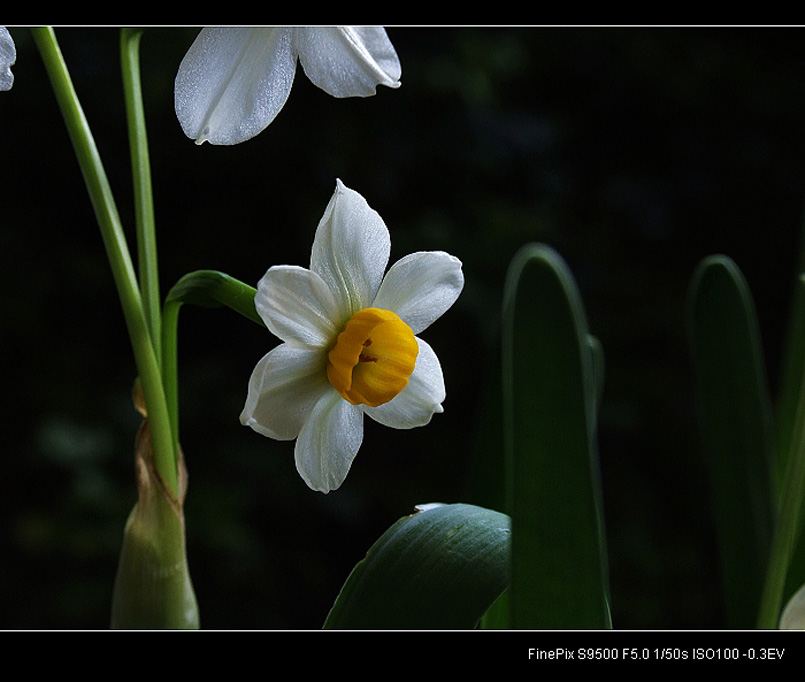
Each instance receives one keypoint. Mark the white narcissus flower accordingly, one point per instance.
(233, 81)
(793, 616)
(349, 341)
(8, 55)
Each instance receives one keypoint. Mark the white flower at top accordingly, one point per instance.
(8, 55)
(233, 81)
(349, 344)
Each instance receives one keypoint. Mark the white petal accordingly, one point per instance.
(329, 442)
(793, 616)
(233, 81)
(348, 61)
(420, 399)
(350, 250)
(8, 55)
(283, 389)
(297, 306)
(421, 287)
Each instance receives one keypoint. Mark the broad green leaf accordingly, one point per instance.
(736, 426)
(552, 374)
(439, 568)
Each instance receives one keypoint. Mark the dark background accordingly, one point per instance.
(633, 151)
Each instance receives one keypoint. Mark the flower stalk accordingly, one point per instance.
(208, 289)
(145, 355)
(141, 173)
(152, 586)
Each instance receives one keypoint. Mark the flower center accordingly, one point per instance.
(373, 357)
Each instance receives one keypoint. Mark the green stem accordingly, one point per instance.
(208, 289)
(787, 523)
(165, 447)
(141, 173)
(170, 369)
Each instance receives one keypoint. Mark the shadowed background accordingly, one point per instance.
(634, 152)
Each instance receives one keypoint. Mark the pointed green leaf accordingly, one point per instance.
(737, 430)
(552, 373)
(793, 368)
(784, 575)
(439, 568)
(497, 615)
(792, 393)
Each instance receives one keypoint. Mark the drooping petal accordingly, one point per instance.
(283, 389)
(348, 61)
(8, 55)
(420, 400)
(350, 250)
(421, 287)
(297, 306)
(233, 81)
(329, 442)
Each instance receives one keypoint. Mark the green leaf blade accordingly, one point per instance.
(552, 374)
(737, 428)
(439, 568)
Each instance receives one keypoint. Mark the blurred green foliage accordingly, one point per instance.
(633, 152)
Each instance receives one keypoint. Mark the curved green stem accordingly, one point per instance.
(208, 289)
(141, 173)
(165, 447)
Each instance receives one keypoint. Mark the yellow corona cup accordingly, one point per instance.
(373, 357)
